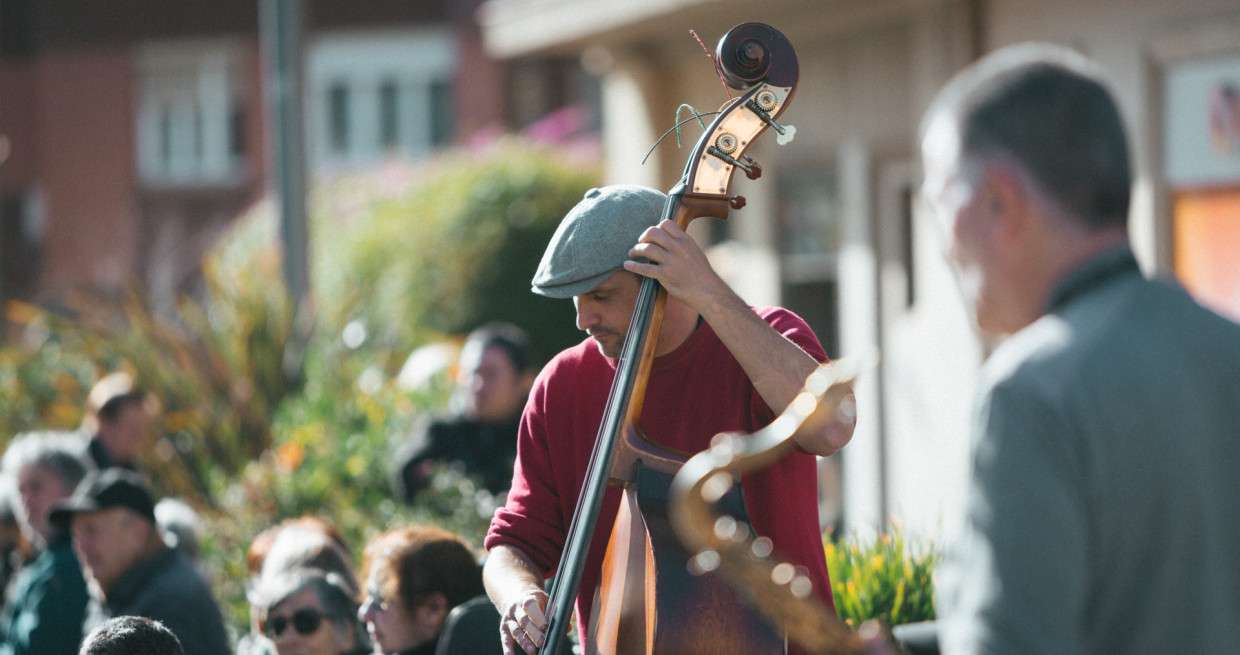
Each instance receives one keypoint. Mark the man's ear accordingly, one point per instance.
(1006, 202)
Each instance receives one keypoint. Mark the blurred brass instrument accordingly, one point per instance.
(722, 544)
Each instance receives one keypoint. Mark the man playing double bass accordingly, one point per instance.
(720, 366)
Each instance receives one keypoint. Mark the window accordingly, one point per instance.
(338, 119)
(373, 95)
(389, 115)
(189, 114)
(21, 248)
(807, 223)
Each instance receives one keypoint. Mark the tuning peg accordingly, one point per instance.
(784, 135)
(761, 105)
(737, 202)
(753, 170)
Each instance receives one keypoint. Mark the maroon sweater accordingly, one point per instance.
(561, 422)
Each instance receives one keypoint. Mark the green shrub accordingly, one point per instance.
(885, 579)
(446, 247)
(44, 376)
(264, 420)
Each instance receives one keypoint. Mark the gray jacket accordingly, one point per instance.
(1104, 507)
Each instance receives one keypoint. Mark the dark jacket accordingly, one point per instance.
(482, 449)
(103, 460)
(46, 605)
(167, 588)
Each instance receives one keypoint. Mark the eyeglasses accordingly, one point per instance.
(372, 602)
(305, 621)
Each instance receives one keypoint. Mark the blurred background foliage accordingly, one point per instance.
(260, 421)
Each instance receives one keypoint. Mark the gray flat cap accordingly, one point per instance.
(594, 239)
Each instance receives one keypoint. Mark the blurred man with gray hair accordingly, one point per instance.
(46, 605)
(1103, 513)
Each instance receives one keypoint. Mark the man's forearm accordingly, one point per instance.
(508, 573)
(775, 365)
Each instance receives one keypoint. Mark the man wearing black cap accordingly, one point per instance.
(132, 571)
(720, 366)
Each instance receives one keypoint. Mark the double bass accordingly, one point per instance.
(648, 600)
(744, 560)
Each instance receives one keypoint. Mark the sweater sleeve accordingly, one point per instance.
(531, 518)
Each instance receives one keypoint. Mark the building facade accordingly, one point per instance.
(133, 132)
(832, 229)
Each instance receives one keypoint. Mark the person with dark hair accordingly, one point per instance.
(304, 543)
(415, 577)
(117, 419)
(47, 601)
(1103, 512)
(132, 570)
(131, 635)
(495, 371)
(309, 612)
(719, 365)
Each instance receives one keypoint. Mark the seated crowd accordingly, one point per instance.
(91, 564)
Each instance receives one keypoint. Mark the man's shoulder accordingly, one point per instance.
(171, 578)
(57, 562)
(580, 356)
(780, 316)
(1117, 321)
(789, 324)
(176, 594)
(51, 578)
(450, 427)
(576, 352)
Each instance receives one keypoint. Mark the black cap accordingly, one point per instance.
(99, 490)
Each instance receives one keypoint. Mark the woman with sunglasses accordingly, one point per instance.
(310, 612)
(415, 576)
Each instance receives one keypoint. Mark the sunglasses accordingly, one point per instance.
(305, 621)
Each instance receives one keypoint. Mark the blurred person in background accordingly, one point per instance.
(495, 371)
(416, 576)
(47, 601)
(306, 543)
(265, 541)
(1103, 511)
(117, 419)
(181, 527)
(15, 548)
(131, 635)
(310, 612)
(131, 570)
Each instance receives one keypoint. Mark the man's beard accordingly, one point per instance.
(614, 344)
